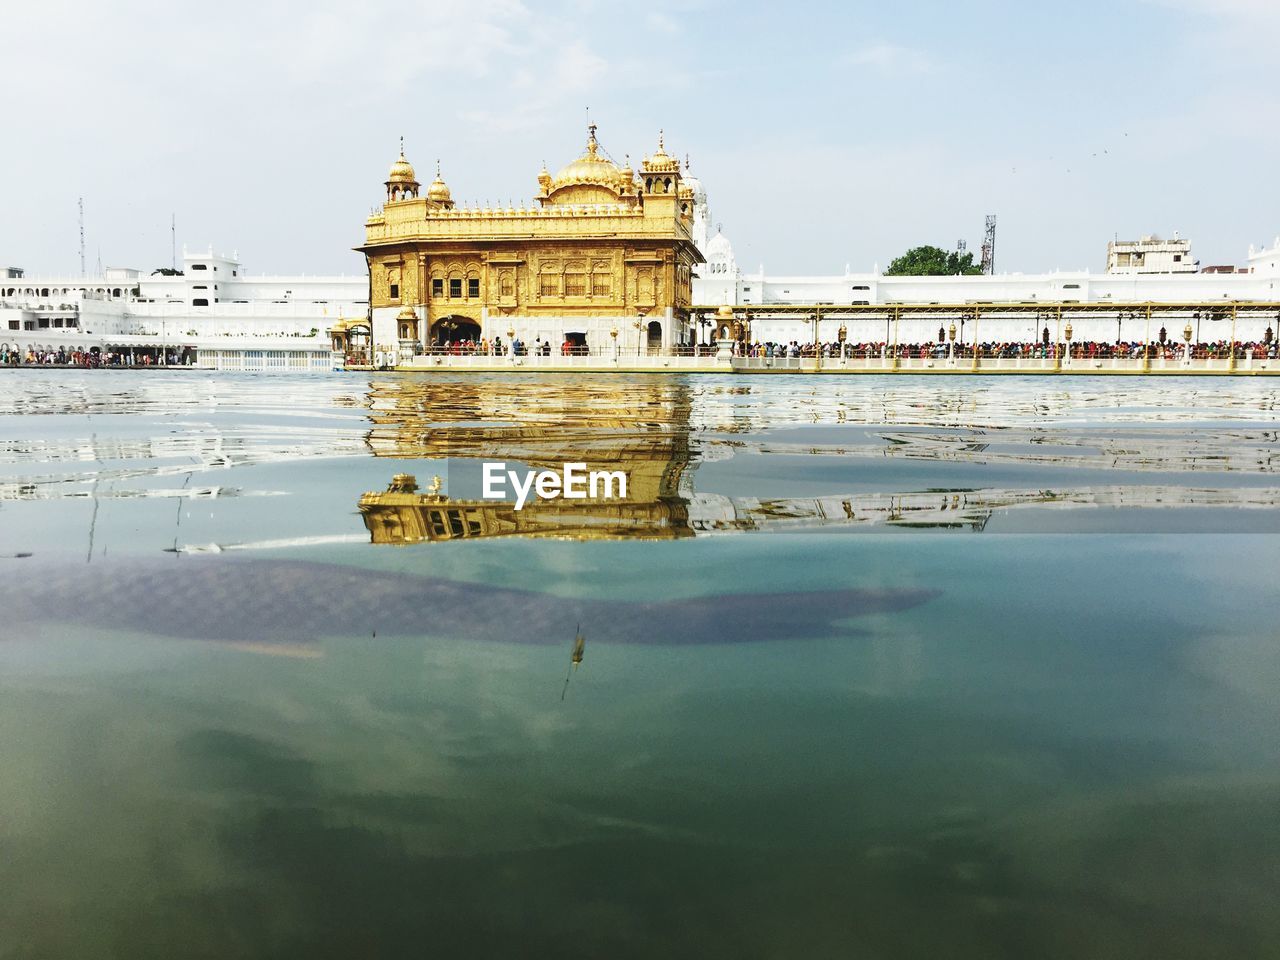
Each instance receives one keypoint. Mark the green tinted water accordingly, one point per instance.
(797, 730)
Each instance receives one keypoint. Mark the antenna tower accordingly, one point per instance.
(989, 246)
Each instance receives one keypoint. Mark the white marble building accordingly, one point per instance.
(230, 318)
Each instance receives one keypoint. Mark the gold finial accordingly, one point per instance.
(661, 147)
(437, 167)
(402, 145)
(433, 489)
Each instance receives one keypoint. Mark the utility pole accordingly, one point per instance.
(82, 266)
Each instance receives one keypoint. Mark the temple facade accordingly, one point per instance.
(603, 259)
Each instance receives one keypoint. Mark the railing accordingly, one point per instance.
(877, 362)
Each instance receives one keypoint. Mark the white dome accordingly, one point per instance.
(719, 248)
(699, 191)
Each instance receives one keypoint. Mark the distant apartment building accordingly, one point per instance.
(1151, 255)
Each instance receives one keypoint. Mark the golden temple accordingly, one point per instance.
(601, 250)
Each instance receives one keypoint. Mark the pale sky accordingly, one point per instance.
(826, 134)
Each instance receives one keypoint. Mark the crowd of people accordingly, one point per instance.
(12, 356)
(1033, 350)
(933, 350)
(498, 348)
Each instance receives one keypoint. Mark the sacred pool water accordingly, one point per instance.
(956, 667)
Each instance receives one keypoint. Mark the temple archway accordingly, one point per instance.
(453, 329)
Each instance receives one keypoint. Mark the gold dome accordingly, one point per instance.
(439, 190)
(627, 176)
(592, 171)
(402, 170)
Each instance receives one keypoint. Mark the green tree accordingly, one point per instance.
(932, 262)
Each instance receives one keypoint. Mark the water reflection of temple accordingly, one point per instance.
(639, 427)
(402, 515)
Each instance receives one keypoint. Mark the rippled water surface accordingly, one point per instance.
(887, 667)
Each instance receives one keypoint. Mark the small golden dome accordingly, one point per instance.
(402, 170)
(439, 190)
(627, 176)
(406, 313)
